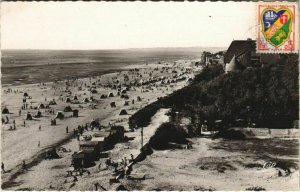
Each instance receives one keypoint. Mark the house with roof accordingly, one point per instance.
(242, 54)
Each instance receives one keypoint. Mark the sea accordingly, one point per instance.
(36, 66)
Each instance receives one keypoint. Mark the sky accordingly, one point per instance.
(121, 25)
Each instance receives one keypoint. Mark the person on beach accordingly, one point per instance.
(24, 165)
(7, 120)
(67, 129)
(24, 123)
(125, 162)
(75, 179)
(20, 112)
(2, 167)
(39, 144)
(96, 186)
(40, 127)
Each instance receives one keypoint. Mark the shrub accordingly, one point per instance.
(230, 134)
(166, 133)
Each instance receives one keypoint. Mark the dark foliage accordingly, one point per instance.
(143, 117)
(230, 134)
(265, 95)
(166, 133)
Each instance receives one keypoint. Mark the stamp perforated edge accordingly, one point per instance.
(295, 31)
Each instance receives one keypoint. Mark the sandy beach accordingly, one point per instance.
(30, 142)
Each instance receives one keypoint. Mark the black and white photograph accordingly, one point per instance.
(149, 96)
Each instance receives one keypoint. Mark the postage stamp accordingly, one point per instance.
(277, 28)
(149, 96)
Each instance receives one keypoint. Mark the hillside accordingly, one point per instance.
(264, 96)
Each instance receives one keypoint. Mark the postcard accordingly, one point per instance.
(150, 96)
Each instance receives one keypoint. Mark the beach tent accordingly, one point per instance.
(51, 154)
(100, 143)
(75, 98)
(103, 96)
(68, 109)
(123, 112)
(38, 114)
(90, 145)
(123, 91)
(139, 98)
(28, 116)
(113, 104)
(124, 96)
(85, 100)
(77, 160)
(94, 123)
(110, 95)
(126, 103)
(5, 110)
(117, 132)
(52, 102)
(121, 188)
(68, 100)
(94, 91)
(75, 112)
(59, 115)
(25, 94)
(119, 93)
(41, 106)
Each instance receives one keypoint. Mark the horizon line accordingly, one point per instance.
(110, 49)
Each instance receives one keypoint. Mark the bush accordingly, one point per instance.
(143, 117)
(166, 133)
(230, 134)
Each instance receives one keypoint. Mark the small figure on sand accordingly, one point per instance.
(40, 127)
(96, 186)
(75, 179)
(67, 129)
(24, 165)
(24, 123)
(2, 167)
(125, 162)
(39, 144)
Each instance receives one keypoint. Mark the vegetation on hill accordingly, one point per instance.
(265, 96)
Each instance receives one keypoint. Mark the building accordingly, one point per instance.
(208, 58)
(242, 54)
